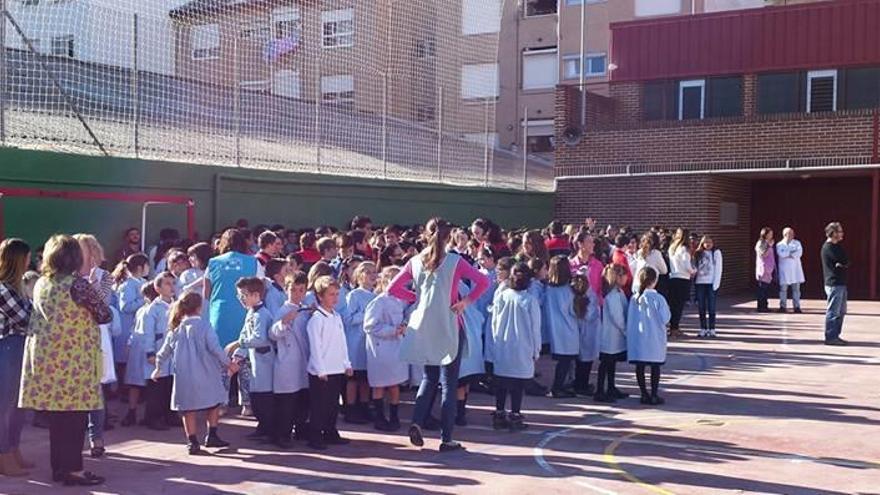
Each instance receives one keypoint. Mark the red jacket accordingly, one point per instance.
(558, 246)
(618, 257)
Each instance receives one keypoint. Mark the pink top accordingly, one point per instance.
(462, 271)
(594, 269)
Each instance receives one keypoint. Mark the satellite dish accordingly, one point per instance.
(572, 135)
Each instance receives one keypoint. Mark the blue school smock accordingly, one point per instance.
(612, 339)
(129, 301)
(557, 315)
(516, 329)
(355, 338)
(195, 358)
(537, 289)
(225, 311)
(646, 328)
(289, 373)
(488, 343)
(254, 339)
(589, 327)
(275, 298)
(472, 362)
(383, 316)
(154, 329)
(134, 371)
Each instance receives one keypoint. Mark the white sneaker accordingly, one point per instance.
(712, 333)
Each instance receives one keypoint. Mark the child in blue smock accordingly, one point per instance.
(589, 318)
(357, 388)
(254, 343)
(612, 335)
(472, 365)
(561, 324)
(129, 276)
(384, 326)
(516, 328)
(193, 354)
(276, 272)
(134, 378)
(647, 317)
(159, 415)
(290, 383)
(538, 285)
(502, 275)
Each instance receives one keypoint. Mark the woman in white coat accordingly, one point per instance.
(790, 269)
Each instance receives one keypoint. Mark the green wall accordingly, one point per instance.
(290, 199)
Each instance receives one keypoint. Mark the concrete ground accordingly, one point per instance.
(764, 408)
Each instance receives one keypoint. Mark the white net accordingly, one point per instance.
(378, 89)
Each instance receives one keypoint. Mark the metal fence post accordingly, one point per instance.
(237, 103)
(318, 103)
(135, 86)
(525, 147)
(2, 72)
(440, 134)
(486, 144)
(385, 125)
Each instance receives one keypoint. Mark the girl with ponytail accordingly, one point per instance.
(129, 277)
(646, 322)
(434, 337)
(194, 354)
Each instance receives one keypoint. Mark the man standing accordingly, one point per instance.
(791, 271)
(834, 267)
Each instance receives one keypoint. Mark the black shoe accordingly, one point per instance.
(500, 421)
(837, 342)
(617, 394)
(314, 445)
(432, 424)
(517, 422)
(354, 416)
(382, 424)
(586, 391)
(798, 310)
(157, 425)
(604, 398)
(97, 452)
(562, 394)
(535, 389)
(130, 418)
(194, 449)
(452, 446)
(215, 441)
(335, 439)
(657, 401)
(646, 399)
(763, 310)
(415, 436)
(85, 479)
(394, 423)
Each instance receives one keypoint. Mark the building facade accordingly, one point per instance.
(726, 123)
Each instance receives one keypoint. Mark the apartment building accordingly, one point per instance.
(729, 122)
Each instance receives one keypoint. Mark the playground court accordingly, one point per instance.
(764, 408)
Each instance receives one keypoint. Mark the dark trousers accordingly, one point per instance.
(515, 387)
(67, 432)
(324, 405)
(291, 410)
(447, 377)
(582, 371)
(763, 295)
(655, 378)
(263, 404)
(679, 290)
(607, 370)
(158, 398)
(563, 368)
(706, 304)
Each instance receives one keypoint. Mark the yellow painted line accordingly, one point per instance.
(611, 460)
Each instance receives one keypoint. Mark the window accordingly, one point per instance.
(861, 88)
(338, 28)
(779, 93)
(286, 22)
(540, 69)
(660, 100)
(821, 91)
(337, 89)
(539, 7)
(541, 136)
(728, 214)
(479, 81)
(425, 113)
(205, 41)
(257, 32)
(426, 48)
(595, 66)
(62, 46)
(480, 16)
(723, 5)
(725, 95)
(691, 98)
(286, 83)
(645, 8)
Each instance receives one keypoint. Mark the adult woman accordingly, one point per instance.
(225, 311)
(648, 255)
(435, 337)
(709, 264)
(681, 270)
(61, 372)
(15, 309)
(765, 265)
(533, 247)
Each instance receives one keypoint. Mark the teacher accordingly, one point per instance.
(434, 336)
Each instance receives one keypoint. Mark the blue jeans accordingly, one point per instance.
(795, 295)
(835, 312)
(706, 304)
(96, 425)
(11, 417)
(447, 377)
(763, 295)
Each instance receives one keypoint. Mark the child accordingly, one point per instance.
(143, 355)
(193, 279)
(589, 318)
(646, 322)
(129, 276)
(328, 365)
(472, 365)
(290, 384)
(134, 377)
(612, 335)
(560, 321)
(502, 276)
(276, 272)
(255, 347)
(516, 329)
(357, 390)
(194, 355)
(178, 263)
(385, 324)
